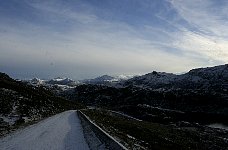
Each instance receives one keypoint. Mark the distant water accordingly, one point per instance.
(219, 125)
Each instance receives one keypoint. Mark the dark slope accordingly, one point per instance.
(202, 94)
(20, 103)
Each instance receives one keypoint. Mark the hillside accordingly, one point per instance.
(201, 94)
(152, 111)
(210, 78)
(23, 103)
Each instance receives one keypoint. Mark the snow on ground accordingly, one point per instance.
(125, 115)
(218, 125)
(60, 132)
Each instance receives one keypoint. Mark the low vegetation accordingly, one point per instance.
(136, 134)
(21, 103)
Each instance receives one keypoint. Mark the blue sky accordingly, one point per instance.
(87, 38)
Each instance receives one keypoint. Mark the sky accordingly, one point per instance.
(87, 38)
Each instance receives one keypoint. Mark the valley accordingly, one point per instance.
(152, 111)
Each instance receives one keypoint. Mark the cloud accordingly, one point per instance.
(57, 11)
(202, 46)
(79, 43)
(208, 16)
(207, 35)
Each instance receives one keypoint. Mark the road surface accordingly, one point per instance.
(60, 132)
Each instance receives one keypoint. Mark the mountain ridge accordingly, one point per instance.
(202, 94)
(205, 77)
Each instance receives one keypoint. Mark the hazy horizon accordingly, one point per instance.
(83, 39)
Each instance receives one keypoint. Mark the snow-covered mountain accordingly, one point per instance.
(70, 82)
(154, 79)
(124, 77)
(63, 81)
(61, 84)
(101, 79)
(201, 93)
(57, 85)
(201, 78)
(56, 81)
(37, 81)
(107, 79)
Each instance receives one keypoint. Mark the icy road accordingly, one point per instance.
(60, 132)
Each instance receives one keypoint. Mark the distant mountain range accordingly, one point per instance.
(202, 90)
(106, 79)
(69, 83)
(201, 78)
(200, 93)
(189, 102)
(57, 81)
